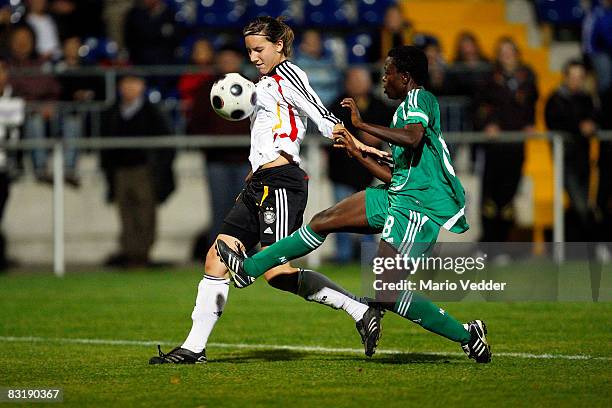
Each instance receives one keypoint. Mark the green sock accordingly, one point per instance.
(300, 243)
(422, 311)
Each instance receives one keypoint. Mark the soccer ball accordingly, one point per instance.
(233, 97)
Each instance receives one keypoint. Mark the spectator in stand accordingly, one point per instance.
(76, 89)
(7, 132)
(321, 68)
(5, 23)
(226, 168)
(438, 81)
(139, 178)
(597, 48)
(47, 38)
(467, 76)
(81, 18)
(507, 103)
(346, 174)
(470, 69)
(41, 89)
(202, 56)
(150, 33)
(571, 109)
(396, 30)
(601, 57)
(604, 194)
(600, 45)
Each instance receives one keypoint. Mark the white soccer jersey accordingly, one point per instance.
(285, 101)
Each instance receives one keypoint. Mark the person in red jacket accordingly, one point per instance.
(202, 56)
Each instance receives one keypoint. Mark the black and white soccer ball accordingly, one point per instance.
(233, 96)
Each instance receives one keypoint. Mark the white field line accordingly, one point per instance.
(332, 350)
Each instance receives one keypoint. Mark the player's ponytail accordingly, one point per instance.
(274, 29)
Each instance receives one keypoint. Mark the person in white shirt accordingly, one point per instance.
(47, 37)
(272, 204)
(12, 112)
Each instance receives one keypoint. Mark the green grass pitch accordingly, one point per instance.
(248, 367)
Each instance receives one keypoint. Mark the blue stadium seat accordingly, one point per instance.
(17, 7)
(217, 40)
(220, 13)
(184, 49)
(560, 12)
(335, 46)
(272, 8)
(372, 12)
(328, 49)
(358, 48)
(95, 50)
(328, 13)
(184, 13)
(171, 94)
(153, 94)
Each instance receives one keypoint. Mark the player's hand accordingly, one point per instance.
(359, 146)
(344, 140)
(372, 151)
(355, 115)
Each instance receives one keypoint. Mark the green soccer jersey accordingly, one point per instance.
(423, 178)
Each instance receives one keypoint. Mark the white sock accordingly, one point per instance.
(339, 300)
(211, 299)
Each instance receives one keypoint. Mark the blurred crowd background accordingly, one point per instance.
(94, 68)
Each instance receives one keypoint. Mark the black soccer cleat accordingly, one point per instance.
(370, 330)
(478, 348)
(234, 261)
(178, 355)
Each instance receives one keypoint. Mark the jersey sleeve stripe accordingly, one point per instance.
(419, 114)
(299, 84)
(295, 80)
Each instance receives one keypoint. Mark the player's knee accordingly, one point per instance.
(279, 270)
(213, 265)
(283, 278)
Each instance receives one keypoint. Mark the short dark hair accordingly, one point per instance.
(231, 47)
(132, 73)
(409, 59)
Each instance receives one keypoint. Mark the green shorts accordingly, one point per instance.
(410, 232)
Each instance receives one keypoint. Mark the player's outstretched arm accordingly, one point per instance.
(362, 147)
(343, 139)
(410, 136)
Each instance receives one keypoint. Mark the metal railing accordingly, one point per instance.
(453, 109)
(314, 142)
